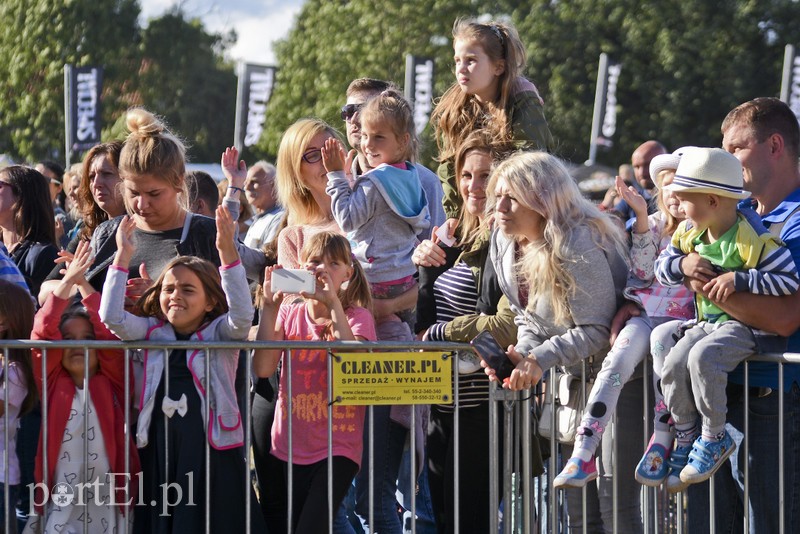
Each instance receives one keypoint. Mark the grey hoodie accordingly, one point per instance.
(382, 214)
(600, 278)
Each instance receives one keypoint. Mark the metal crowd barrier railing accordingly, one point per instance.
(523, 497)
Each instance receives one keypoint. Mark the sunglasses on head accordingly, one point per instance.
(348, 110)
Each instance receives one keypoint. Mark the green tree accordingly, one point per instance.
(37, 37)
(684, 65)
(334, 42)
(184, 78)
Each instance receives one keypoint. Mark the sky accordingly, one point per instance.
(257, 22)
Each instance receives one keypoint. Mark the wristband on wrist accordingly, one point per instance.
(236, 188)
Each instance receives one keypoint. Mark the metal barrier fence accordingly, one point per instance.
(525, 499)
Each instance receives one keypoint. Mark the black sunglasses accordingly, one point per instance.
(348, 110)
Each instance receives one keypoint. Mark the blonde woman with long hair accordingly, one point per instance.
(571, 263)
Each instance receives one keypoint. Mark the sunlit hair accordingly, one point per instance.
(481, 141)
(336, 247)
(293, 194)
(93, 215)
(542, 183)
(390, 108)
(16, 312)
(671, 221)
(209, 277)
(457, 113)
(765, 116)
(34, 219)
(368, 85)
(151, 149)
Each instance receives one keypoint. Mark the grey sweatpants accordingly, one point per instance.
(696, 369)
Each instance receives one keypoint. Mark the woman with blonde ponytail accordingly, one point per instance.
(152, 165)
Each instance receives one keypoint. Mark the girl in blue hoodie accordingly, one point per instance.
(385, 209)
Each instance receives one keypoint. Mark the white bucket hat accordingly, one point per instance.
(709, 170)
(665, 162)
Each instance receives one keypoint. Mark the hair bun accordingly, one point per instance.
(141, 122)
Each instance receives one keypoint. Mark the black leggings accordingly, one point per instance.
(473, 469)
(310, 490)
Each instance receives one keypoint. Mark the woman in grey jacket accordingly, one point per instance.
(571, 260)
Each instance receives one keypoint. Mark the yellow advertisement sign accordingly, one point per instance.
(364, 378)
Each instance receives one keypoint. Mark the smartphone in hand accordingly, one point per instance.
(292, 281)
(493, 354)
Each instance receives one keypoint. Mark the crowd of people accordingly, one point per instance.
(689, 263)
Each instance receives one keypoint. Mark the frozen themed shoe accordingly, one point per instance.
(653, 468)
(706, 457)
(677, 462)
(576, 474)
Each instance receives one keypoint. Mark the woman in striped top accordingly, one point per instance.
(459, 298)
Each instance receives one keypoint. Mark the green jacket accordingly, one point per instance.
(530, 132)
(501, 323)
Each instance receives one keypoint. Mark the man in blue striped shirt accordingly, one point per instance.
(9, 270)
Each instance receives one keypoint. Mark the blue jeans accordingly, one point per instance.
(345, 521)
(763, 469)
(425, 523)
(389, 439)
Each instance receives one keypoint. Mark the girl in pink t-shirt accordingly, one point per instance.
(338, 310)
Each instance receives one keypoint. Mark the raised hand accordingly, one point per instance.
(632, 197)
(226, 245)
(125, 244)
(333, 156)
(79, 264)
(233, 169)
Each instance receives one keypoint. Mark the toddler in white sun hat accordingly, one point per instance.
(729, 250)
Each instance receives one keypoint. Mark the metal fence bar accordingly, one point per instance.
(672, 517)
(126, 406)
(457, 448)
(86, 399)
(494, 452)
(45, 437)
(781, 452)
(289, 477)
(331, 400)
(6, 481)
(248, 439)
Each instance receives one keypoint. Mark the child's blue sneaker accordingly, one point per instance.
(677, 462)
(576, 474)
(706, 457)
(653, 468)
